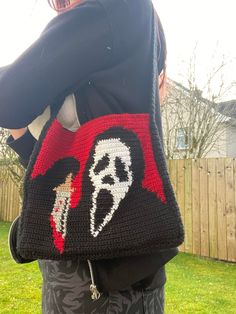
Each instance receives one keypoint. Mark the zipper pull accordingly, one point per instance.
(95, 294)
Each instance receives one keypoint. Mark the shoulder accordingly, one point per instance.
(128, 8)
(88, 12)
(126, 21)
(130, 22)
(129, 14)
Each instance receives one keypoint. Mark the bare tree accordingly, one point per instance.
(9, 162)
(193, 124)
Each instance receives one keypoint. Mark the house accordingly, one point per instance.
(228, 108)
(195, 127)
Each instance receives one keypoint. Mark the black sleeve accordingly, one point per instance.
(23, 146)
(74, 45)
(3, 70)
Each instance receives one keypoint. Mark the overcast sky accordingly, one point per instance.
(209, 24)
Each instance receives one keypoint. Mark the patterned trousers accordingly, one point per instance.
(66, 290)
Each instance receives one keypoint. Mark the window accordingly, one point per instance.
(182, 138)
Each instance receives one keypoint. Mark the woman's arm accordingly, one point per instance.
(91, 37)
(23, 145)
(74, 45)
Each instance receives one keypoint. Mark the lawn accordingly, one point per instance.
(195, 285)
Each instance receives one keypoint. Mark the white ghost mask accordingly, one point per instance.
(111, 171)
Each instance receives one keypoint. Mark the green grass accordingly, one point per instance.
(20, 285)
(197, 285)
(194, 285)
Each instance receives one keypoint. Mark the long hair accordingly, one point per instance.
(61, 5)
(162, 49)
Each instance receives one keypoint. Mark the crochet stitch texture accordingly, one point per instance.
(104, 192)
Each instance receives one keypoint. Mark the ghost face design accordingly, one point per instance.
(111, 177)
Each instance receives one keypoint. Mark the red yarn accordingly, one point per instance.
(60, 143)
(62, 5)
(58, 240)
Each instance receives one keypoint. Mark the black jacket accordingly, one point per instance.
(102, 51)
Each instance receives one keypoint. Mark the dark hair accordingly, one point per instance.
(162, 50)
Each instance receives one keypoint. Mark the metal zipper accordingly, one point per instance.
(95, 294)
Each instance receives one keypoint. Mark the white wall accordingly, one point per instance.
(231, 141)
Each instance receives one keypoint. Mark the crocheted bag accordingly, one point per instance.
(100, 192)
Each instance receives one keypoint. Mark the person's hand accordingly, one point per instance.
(17, 133)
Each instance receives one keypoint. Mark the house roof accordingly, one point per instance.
(227, 108)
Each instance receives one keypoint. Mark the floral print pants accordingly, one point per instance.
(66, 290)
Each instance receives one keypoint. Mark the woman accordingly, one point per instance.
(101, 51)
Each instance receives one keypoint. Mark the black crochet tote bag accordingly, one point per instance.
(100, 192)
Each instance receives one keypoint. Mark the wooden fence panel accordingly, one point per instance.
(204, 208)
(188, 206)
(212, 207)
(210, 215)
(9, 197)
(234, 217)
(196, 207)
(230, 208)
(180, 192)
(173, 174)
(221, 209)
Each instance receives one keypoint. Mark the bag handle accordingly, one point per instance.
(154, 63)
(155, 110)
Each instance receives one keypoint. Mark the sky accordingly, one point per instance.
(208, 26)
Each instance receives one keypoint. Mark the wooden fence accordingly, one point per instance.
(206, 193)
(9, 197)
